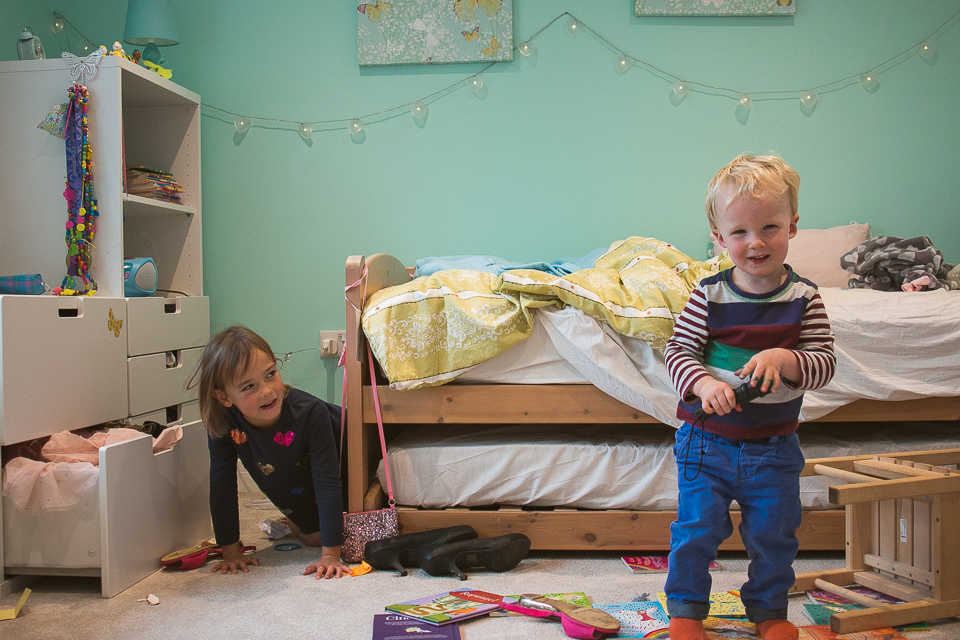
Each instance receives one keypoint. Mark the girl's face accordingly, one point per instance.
(256, 392)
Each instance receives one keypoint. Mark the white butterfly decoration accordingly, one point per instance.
(83, 67)
(420, 25)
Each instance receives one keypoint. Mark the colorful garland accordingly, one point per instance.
(82, 210)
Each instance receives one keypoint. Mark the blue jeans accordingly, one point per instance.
(763, 476)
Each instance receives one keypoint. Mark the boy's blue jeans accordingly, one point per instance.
(763, 476)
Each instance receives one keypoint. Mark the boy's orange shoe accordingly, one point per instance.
(688, 629)
(777, 630)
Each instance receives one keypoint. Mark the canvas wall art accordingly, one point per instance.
(715, 7)
(393, 32)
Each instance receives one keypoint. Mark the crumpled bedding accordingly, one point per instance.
(68, 470)
(890, 264)
(430, 330)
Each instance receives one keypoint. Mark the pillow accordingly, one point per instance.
(815, 253)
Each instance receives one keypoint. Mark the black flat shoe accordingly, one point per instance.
(401, 551)
(497, 554)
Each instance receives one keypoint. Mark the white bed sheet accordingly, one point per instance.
(592, 466)
(889, 346)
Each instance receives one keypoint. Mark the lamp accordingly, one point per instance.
(151, 23)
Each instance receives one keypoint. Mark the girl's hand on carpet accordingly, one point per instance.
(328, 566)
(234, 559)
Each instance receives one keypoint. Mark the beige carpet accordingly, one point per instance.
(275, 601)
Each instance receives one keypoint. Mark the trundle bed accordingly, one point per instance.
(488, 420)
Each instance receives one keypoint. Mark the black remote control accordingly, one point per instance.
(743, 394)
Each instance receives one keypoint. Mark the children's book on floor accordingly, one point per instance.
(730, 629)
(819, 614)
(818, 596)
(393, 627)
(638, 619)
(656, 564)
(449, 606)
(824, 633)
(573, 597)
(723, 604)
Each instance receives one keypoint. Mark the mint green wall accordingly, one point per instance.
(561, 157)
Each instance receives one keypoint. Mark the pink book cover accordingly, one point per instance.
(655, 564)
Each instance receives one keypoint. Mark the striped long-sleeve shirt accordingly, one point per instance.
(722, 327)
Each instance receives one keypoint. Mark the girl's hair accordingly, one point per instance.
(752, 176)
(227, 355)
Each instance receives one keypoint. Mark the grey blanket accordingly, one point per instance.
(890, 264)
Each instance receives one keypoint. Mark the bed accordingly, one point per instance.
(574, 406)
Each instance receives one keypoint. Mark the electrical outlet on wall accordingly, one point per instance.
(331, 343)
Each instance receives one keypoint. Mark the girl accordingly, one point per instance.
(286, 439)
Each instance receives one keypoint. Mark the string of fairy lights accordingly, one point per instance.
(623, 62)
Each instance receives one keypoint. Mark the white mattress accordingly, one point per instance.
(889, 346)
(593, 466)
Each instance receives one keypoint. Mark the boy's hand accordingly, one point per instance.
(234, 560)
(767, 367)
(328, 566)
(715, 396)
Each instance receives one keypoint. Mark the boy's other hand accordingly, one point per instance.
(715, 396)
(764, 369)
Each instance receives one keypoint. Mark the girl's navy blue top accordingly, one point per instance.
(295, 463)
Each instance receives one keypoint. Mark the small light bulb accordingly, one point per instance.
(926, 50)
(681, 89)
(809, 99)
(57, 25)
(356, 126)
(573, 27)
(869, 81)
(306, 130)
(475, 83)
(624, 63)
(241, 123)
(419, 110)
(745, 101)
(527, 48)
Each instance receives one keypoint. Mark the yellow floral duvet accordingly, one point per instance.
(430, 330)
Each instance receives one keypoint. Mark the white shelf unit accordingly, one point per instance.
(135, 115)
(65, 366)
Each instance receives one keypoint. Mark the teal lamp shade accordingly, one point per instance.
(150, 24)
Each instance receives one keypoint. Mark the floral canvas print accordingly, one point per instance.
(715, 7)
(434, 31)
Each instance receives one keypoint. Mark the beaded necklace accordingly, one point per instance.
(82, 210)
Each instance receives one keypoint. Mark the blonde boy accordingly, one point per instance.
(758, 320)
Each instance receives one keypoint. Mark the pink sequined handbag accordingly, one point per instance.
(367, 526)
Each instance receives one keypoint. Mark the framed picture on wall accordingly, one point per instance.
(715, 7)
(434, 31)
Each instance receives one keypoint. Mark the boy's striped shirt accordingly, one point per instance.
(722, 327)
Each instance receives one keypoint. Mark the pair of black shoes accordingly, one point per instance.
(446, 551)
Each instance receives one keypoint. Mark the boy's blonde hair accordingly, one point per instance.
(752, 176)
(226, 356)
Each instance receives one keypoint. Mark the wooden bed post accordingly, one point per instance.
(903, 512)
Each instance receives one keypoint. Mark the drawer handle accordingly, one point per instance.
(68, 313)
(173, 359)
(170, 307)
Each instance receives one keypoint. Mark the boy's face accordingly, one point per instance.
(756, 232)
(256, 392)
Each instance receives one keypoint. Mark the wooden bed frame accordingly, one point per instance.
(488, 404)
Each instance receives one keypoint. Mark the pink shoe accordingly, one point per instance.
(583, 623)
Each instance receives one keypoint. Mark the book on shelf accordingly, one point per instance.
(815, 632)
(723, 604)
(388, 626)
(656, 564)
(643, 619)
(573, 597)
(152, 183)
(449, 606)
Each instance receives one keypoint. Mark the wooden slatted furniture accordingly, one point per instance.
(902, 520)
(503, 404)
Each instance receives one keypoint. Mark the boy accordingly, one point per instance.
(761, 321)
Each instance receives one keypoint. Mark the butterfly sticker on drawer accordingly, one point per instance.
(114, 325)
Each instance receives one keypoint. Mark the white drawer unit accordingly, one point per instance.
(167, 324)
(160, 380)
(62, 364)
(144, 507)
